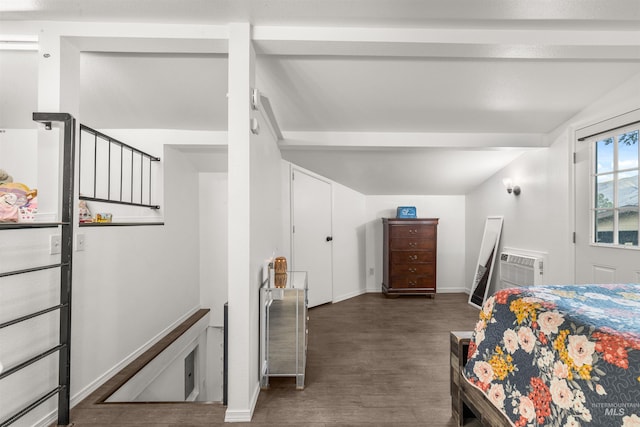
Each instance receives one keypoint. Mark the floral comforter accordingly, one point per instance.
(560, 355)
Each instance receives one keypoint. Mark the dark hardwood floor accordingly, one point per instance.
(371, 361)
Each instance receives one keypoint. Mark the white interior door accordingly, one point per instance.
(311, 242)
(605, 251)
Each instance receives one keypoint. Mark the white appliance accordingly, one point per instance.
(519, 269)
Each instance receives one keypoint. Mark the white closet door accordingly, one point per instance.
(312, 248)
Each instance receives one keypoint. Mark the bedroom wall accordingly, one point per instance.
(536, 220)
(349, 242)
(451, 236)
(541, 218)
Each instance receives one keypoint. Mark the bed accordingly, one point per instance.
(551, 356)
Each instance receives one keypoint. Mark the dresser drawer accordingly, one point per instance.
(409, 244)
(415, 230)
(415, 269)
(411, 257)
(411, 281)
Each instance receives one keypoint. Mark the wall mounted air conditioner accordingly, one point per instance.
(518, 269)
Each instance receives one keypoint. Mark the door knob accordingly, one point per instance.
(329, 238)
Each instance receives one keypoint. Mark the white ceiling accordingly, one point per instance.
(384, 96)
(591, 14)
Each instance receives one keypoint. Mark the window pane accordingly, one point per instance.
(604, 155)
(627, 189)
(604, 191)
(628, 227)
(604, 226)
(628, 150)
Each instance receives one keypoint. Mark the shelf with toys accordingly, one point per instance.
(117, 179)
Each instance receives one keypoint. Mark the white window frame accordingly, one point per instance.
(592, 141)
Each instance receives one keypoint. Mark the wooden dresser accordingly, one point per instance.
(410, 248)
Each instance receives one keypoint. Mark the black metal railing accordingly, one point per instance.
(132, 169)
(63, 348)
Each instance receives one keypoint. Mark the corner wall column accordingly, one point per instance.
(242, 385)
(58, 91)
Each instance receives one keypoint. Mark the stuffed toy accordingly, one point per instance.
(17, 201)
(5, 177)
(9, 207)
(84, 213)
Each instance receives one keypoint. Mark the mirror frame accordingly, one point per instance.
(484, 267)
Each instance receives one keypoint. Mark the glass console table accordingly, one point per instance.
(283, 329)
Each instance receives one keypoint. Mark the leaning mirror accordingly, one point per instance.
(486, 259)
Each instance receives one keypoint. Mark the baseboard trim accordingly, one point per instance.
(350, 295)
(457, 290)
(242, 415)
(47, 420)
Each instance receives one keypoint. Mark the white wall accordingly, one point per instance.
(349, 242)
(147, 276)
(18, 89)
(541, 218)
(212, 202)
(266, 227)
(185, 258)
(451, 236)
(18, 155)
(535, 220)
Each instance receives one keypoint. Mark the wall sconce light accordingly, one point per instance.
(255, 99)
(511, 188)
(254, 126)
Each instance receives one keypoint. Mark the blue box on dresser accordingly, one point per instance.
(406, 212)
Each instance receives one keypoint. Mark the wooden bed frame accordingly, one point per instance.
(468, 402)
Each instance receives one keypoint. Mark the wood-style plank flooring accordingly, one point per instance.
(371, 361)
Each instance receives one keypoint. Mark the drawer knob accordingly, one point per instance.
(412, 270)
(413, 257)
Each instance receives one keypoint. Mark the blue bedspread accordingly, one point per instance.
(560, 355)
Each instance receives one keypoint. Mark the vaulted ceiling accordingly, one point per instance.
(384, 96)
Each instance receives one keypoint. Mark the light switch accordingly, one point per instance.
(55, 244)
(80, 242)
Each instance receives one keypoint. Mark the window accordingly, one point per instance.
(615, 187)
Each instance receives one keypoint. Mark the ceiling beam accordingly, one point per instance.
(130, 37)
(379, 140)
(449, 43)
